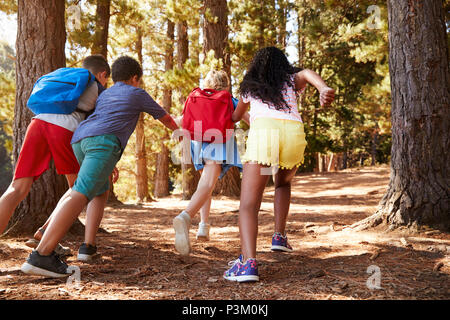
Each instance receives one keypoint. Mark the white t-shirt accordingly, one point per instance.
(259, 109)
(71, 121)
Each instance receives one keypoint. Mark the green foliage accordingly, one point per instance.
(331, 37)
(336, 40)
(8, 6)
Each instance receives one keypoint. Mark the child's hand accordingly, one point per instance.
(115, 175)
(326, 96)
(179, 120)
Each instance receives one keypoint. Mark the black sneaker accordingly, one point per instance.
(59, 250)
(87, 252)
(47, 266)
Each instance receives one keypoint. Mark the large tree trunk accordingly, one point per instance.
(40, 47)
(102, 16)
(141, 162)
(190, 175)
(162, 161)
(418, 191)
(140, 151)
(282, 15)
(182, 44)
(215, 30)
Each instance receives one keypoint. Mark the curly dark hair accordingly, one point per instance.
(266, 76)
(124, 68)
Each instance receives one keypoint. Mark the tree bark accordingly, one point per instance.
(40, 44)
(418, 191)
(190, 175)
(215, 32)
(282, 14)
(102, 15)
(140, 151)
(141, 162)
(162, 161)
(182, 44)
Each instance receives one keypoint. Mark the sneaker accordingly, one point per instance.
(242, 272)
(181, 224)
(59, 250)
(203, 231)
(280, 243)
(87, 252)
(47, 266)
(62, 251)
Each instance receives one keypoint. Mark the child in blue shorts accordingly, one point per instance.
(98, 143)
(213, 160)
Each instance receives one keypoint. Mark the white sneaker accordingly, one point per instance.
(203, 231)
(181, 224)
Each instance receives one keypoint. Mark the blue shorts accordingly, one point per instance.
(97, 157)
(226, 154)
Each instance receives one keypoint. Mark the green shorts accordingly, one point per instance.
(97, 157)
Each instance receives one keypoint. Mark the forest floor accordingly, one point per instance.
(138, 260)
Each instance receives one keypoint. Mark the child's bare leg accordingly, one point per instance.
(252, 189)
(16, 192)
(70, 180)
(205, 187)
(94, 215)
(282, 201)
(182, 222)
(205, 209)
(203, 226)
(63, 218)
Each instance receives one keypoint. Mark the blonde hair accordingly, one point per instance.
(217, 80)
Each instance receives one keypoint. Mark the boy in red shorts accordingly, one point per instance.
(48, 137)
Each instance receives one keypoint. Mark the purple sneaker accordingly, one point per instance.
(280, 243)
(242, 272)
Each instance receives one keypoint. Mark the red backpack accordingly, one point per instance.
(214, 109)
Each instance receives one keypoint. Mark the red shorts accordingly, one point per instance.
(44, 141)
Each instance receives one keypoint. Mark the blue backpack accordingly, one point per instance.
(59, 91)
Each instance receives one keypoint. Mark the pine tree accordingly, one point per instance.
(36, 56)
(418, 189)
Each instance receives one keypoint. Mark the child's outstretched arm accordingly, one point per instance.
(241, 112)
(306, 76)
(169, 122)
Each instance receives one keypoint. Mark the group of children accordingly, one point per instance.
(92, 147)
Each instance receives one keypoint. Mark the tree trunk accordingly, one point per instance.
(141, 162)
(140, 151)
(418, 191)
(162, 161)
(215, 31)
(282, 15)
(190, 175)
(230, 184)
(374, 145)
(182, 44)
(102, 15)
(345, 158)
(40, 44)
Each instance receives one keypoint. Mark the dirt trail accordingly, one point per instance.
(138, 260)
